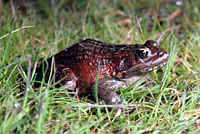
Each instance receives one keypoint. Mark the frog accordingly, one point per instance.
(98, 68)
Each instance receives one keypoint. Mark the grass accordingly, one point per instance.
(170, 106)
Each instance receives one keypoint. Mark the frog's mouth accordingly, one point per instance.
(150, 64)
(155, 67)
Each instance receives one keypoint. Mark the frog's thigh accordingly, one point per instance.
(70, 85)
(106, 92)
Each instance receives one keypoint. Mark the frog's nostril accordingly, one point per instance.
(161, 53)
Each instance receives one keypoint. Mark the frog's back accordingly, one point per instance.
(92, 53)
(94, 48)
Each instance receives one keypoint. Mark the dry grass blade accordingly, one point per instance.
(14, 31)
(89, 105)
(163, 35)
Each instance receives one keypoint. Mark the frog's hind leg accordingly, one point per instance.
(69, 81)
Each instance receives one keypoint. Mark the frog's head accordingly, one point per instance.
(149, 57)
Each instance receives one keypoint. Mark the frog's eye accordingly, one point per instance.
(143, 52)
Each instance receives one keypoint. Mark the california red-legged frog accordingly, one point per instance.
(78, 66)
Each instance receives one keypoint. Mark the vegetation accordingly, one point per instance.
(172, 105)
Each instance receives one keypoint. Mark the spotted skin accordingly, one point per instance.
(80, 64)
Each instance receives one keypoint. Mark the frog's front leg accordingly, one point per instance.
(106, 90)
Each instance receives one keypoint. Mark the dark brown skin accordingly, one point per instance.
(77, 67)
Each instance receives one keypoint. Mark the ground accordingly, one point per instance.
(171, 105)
